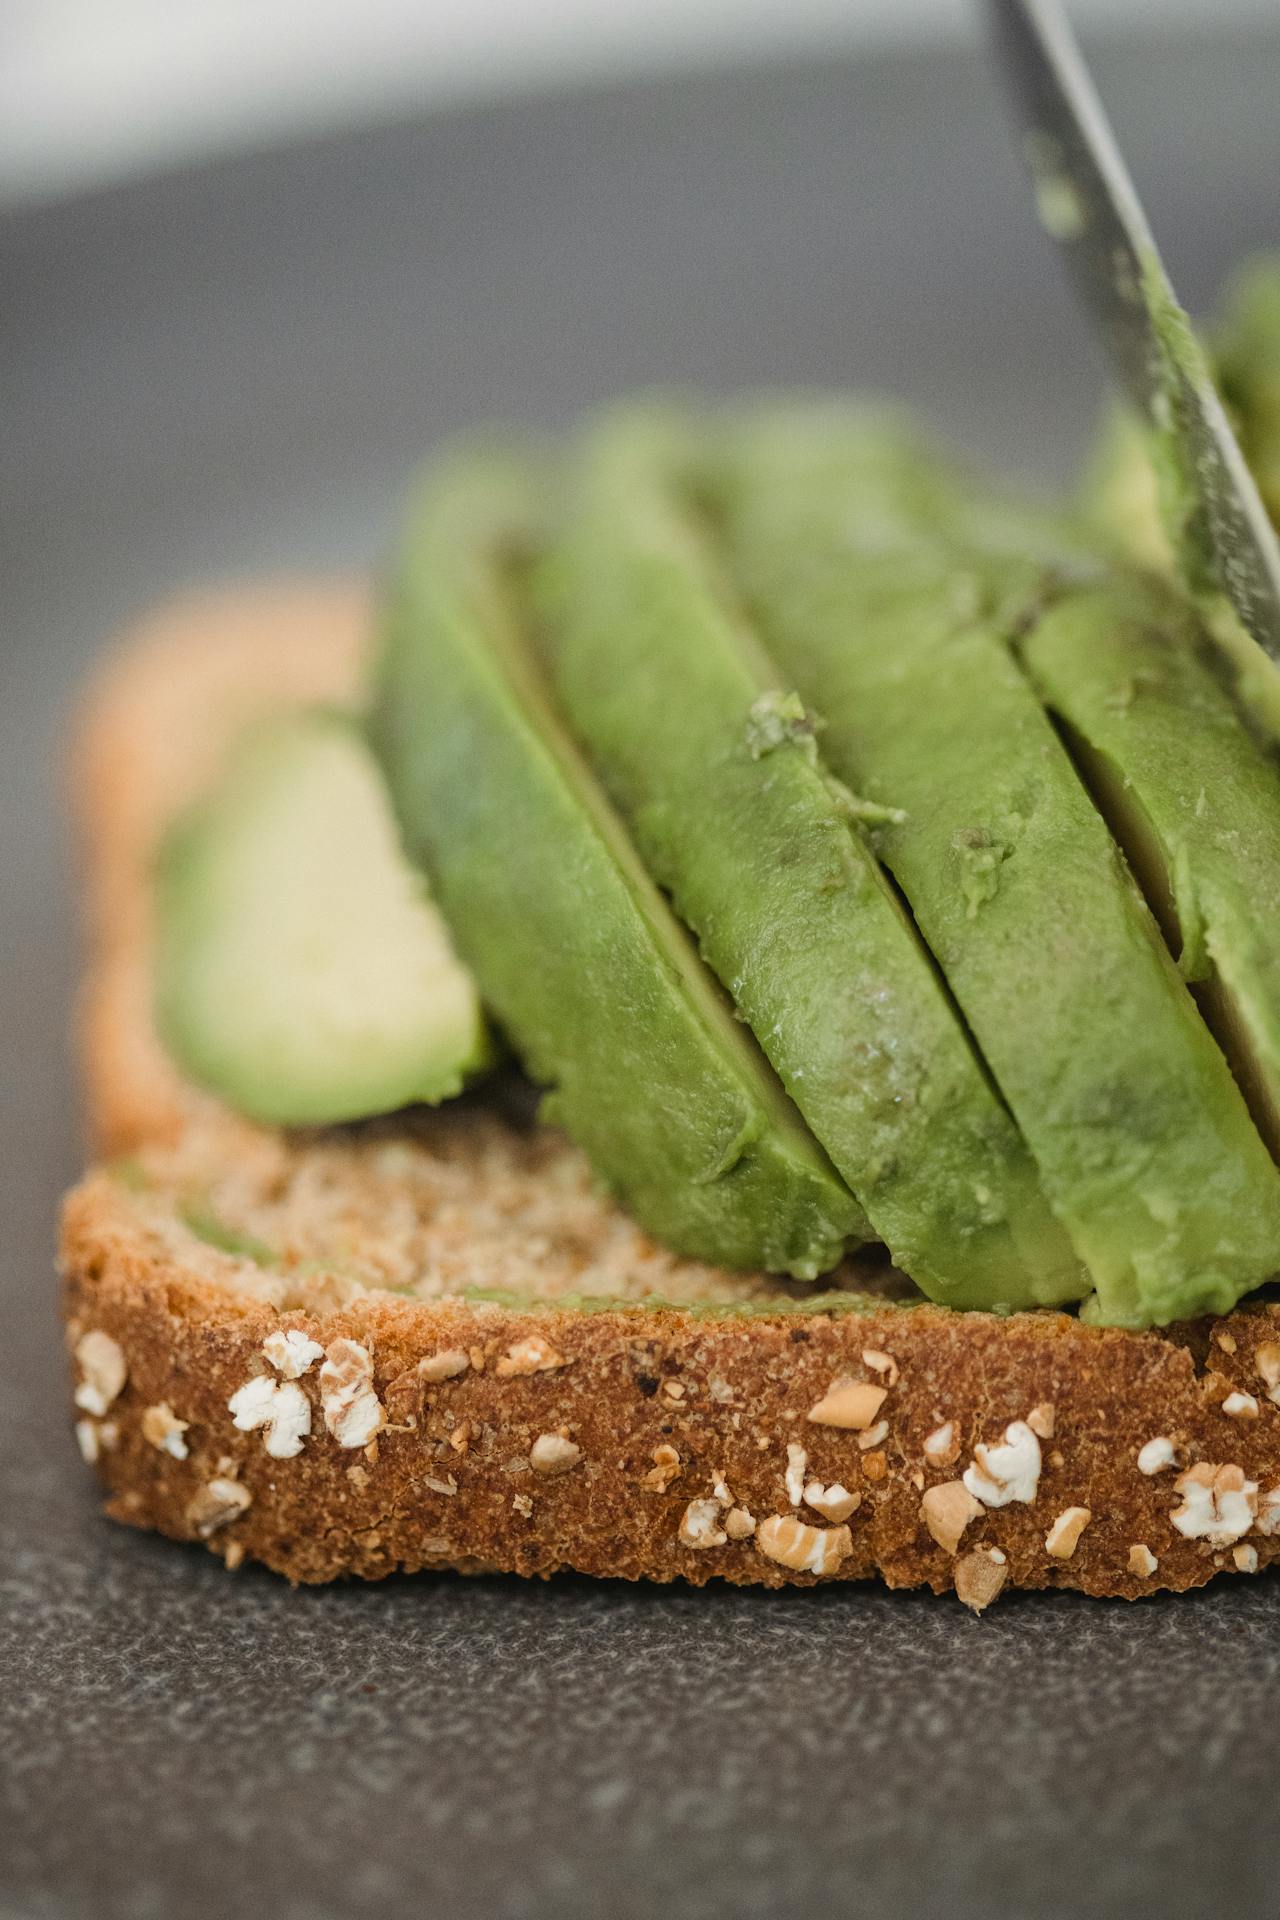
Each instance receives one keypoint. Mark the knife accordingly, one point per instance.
(1087, 203)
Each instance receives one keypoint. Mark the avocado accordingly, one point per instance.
(1245, 350)
(716, 767)
(302, 971)
(1190, 795)
(876, 609)
(1145, 501)
(585, 965)
(1243, 340)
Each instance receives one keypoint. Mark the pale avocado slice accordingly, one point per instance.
(715, 768)
(302, 971)
(1190, 795)
(900, 637)
(582, 960)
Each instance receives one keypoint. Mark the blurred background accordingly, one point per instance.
(92, 92)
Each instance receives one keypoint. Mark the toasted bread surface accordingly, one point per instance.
(431, 1342)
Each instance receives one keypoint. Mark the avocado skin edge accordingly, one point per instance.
(857, 564)
(585, 966)
(720, 780)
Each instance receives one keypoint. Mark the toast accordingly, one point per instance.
(431, 1341)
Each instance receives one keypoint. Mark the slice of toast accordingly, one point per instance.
(431, 1342)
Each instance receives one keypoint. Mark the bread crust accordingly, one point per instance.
(629, 1441)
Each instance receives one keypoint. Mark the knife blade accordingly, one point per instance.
(1087, 202)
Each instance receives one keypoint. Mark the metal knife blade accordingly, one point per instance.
(1087, 202)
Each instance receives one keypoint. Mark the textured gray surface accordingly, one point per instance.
(234, 369)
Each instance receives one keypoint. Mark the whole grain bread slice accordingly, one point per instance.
(431, 1342)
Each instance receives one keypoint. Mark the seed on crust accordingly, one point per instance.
(353, 1412)
(1218, 1503)
(446, 1365)
(739, 1524)
(1063, 1536)
(979, 1577)
(553, 1453)
(1157, 1454)
(103, 1371)
(852, 1404)
(797, 1461)
(947, 1510)
(834, 1503)
(162, 1429)
(279, 1406)
(216, 1504)
(292, 1352)
(941, 1446)
(1008, 1472)
(700, 1525)
(1227, 1341)
(874, 1436)
(1142, 1561)
(1268, 1362)
(881, 1363)
(531, 1355)
(87, 1441)
(1042, 1420)
(1246, 1559)
(1268, 1509)
(665, 1469)
(804, 1549)
(1240, 1406)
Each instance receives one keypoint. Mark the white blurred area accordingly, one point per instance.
(93, 91)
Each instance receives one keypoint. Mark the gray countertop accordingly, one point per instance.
(233, 369)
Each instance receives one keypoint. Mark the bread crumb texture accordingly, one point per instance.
(447, 1349)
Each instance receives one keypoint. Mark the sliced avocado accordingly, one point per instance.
(302, 971)
(1245, 346)
(1190, 795)
(584, 963)
(716, 770)
(901, 637)
(1138, 491)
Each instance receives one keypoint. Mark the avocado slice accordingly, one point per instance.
(1245, 349)
(869, 599)
(715, 767)
(1190, 795)
(1136, 490)
(302, 971)
(582, 960)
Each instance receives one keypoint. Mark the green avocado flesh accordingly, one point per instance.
(715, 769)
(855, 558)
(1192, 798)
(582, 960)
(1145, 500)
(302, 971)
